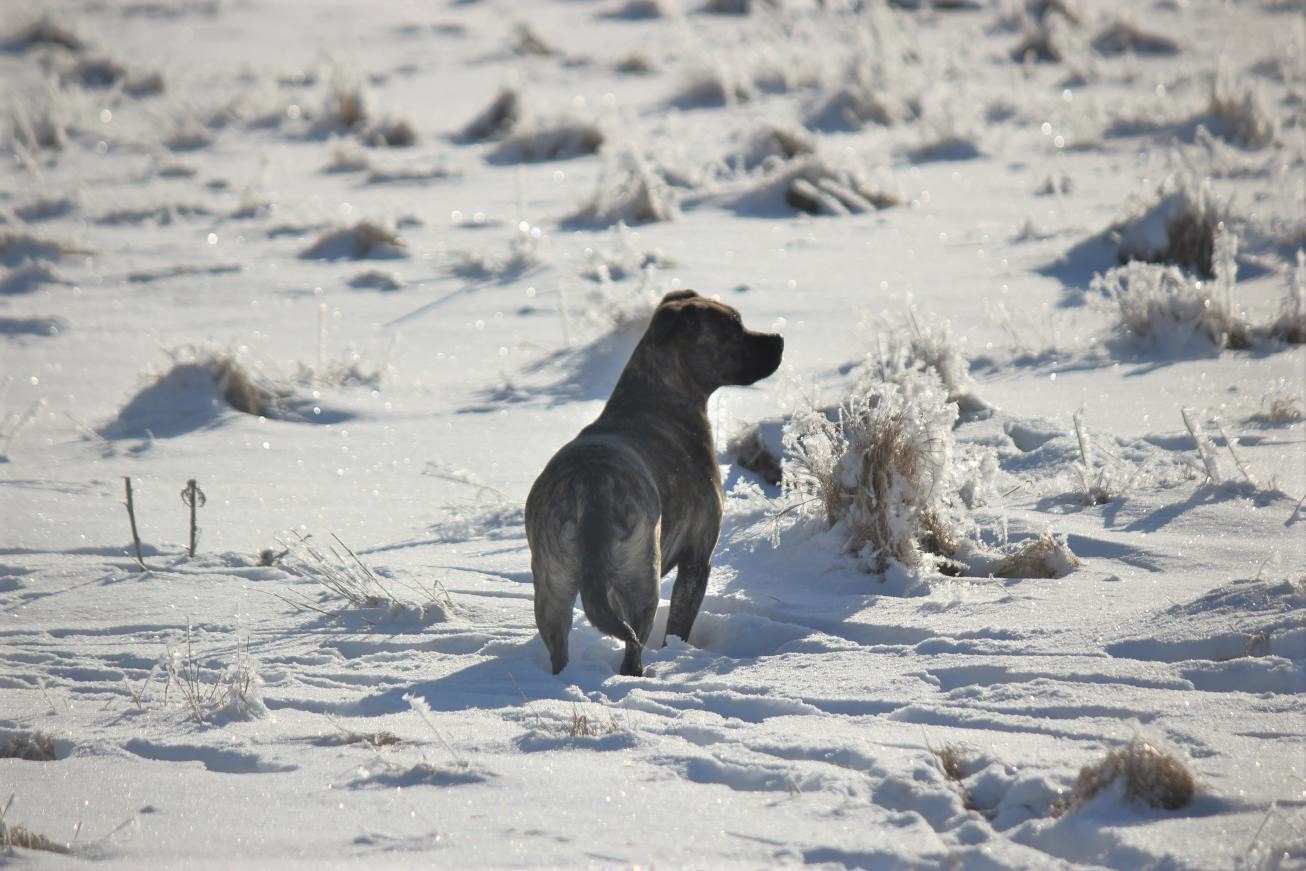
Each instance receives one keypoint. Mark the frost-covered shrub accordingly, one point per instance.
(555, 139)
(928, 348)
(814, 184)
(527, 251)
(1163, 307)
(881, 471)
(1140, 773)
(1178, 228)
(339, 570)
(1050, 37)
(1046, 556)
(624, 258)
(1238, 112)
(628, 191)
(1290, 326)
(773, 142)
(40, 118)
(31, 746)
(348, 108)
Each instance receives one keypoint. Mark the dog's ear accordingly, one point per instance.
(671, 321)
(677, 296)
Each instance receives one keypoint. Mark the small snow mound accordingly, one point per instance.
(197, 390)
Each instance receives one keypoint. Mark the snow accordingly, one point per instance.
(291, 204)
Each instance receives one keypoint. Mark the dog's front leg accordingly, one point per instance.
(687, 595)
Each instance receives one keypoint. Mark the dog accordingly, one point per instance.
(638, 492)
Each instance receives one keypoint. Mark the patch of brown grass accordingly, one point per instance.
(32, 746)
(1044, 557)
(1150, 776)
(18, 835)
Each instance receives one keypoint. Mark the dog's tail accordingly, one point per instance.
(613, 545)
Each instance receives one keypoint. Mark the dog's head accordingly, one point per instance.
(708, 339)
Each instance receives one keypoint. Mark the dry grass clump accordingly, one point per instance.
(751, 451)
(242, 391)
(526, 41)
(210, 694)
(361, 241)
(1238, 112)
(880, 469)
(775, 142)
(45, 31)
(1143, 773)
(929, 348)
(1282, 405)
(1163, 307)
(813, 184)
(45, 208)
(712, 85)
(19, 835)
(32, 746)
(17, 247)
(1050, 37)
(494, 122)
(341, 572)
(347, 158)
(1044, 557)
(391, 133)
(583, 726)
(347, 108)
(374, 740)
(198, 386)
(377, 279)
(1290, 326)
(1178, 228)
(628, 191)
(40, 118)
(557, 139)
(1120, 37)
(27, 278)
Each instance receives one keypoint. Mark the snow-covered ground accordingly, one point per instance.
(177, 174)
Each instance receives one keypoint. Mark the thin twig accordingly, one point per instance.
(1204, 448)
(131, 515)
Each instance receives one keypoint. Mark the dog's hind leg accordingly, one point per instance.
(687, 595)
(554, 598)
(642, 607)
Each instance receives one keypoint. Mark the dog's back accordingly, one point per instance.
(592, 522)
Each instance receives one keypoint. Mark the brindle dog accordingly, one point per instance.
(638, 492)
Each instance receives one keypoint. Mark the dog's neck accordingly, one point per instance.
(649, 379)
